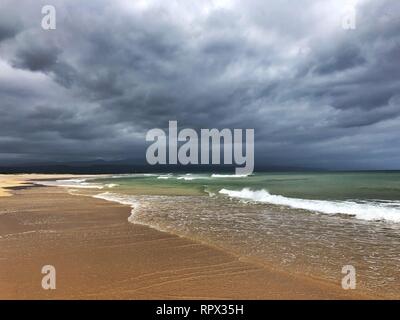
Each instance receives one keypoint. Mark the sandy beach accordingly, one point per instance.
(98, 254)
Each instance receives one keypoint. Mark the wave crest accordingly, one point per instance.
(366, 210)
(215, 175)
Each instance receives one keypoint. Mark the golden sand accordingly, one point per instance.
(7, 181)
(98, 254)
(19, 180)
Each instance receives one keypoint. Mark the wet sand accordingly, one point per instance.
(10, 182)
(98, 254)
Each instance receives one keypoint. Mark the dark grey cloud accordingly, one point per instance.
(8, 29)
(316, 94)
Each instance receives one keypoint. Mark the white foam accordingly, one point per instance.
(190, 176)
(132, 175)
(210, 193)
(366, 210)
(72, 180)
(112, 185)
(81, 186)
(166, 176)
(186, 177)
(229, 175)
(122, 199)
(71, 183)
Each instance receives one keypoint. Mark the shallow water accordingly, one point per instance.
(279, 233)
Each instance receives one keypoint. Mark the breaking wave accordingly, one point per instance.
(366, 210)
(229, 175)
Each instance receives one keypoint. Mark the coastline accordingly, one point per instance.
(98, 254)
(8, 182)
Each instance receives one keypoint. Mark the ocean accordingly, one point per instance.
(305, 223)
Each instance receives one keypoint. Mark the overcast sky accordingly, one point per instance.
(316, 94)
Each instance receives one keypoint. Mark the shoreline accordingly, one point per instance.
(9, 182)
(99, 254)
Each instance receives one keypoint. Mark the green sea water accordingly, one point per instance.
(308, 223)
(322, 186)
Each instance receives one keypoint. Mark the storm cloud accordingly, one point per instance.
(316, 93)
